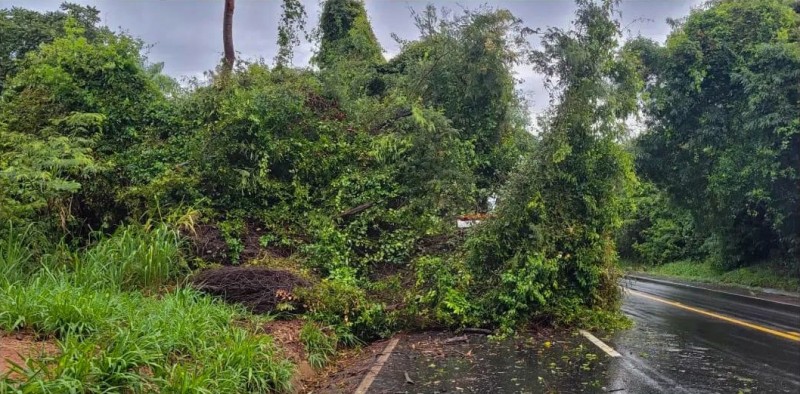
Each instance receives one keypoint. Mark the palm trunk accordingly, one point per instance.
(227, 35)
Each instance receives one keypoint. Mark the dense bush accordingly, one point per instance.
(549, 251)
(75, 106)
(358, 168)
(657, 231)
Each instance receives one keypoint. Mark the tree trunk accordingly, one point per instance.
(227, 35)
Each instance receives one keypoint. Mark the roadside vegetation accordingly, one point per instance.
(754, 276)
(143, 221)
(720, 154)
(115, 334)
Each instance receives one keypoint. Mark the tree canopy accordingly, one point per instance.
(723, 114)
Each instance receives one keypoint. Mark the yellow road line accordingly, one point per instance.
(786, 335)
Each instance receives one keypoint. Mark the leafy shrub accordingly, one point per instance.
(548, 253)
(339, 301)
(657, 231)
(440, 295)
(38, 176)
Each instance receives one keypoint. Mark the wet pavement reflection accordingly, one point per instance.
(668, 350)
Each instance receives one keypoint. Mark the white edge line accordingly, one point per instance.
(376, 368)
(608, 349)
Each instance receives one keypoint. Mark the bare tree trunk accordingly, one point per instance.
(227, 35)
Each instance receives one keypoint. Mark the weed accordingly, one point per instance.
(15, 255)
(320, 347)
(113, 339)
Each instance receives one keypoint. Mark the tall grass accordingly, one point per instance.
(114, 338)
(15, 254)
(134, 257)
(112, 342)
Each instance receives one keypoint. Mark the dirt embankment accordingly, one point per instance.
(15, 347)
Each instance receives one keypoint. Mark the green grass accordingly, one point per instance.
(114, 338)
(762, 275)
(320, 347)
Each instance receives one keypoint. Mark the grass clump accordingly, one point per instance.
(112, 338)
(762, 275)
(320, 347)
(134, 257)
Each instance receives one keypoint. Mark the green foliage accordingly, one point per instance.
(38, 176)
(763, 275)
(16, 255)
(76, 105)
(549, 251)
(339, 301)
(657, 231)
(320, 347)
(292, 21)
(232, 230)
(346, 35)
(440, 295)
(134, 257)
(463, 66)
(724, 133)
(22, 31)
(111, 340)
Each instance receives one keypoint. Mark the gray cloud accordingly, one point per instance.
(186, 34)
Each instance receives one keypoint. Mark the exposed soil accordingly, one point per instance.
(286, 334)
(260, 289)
(208, 244)
(16, 346)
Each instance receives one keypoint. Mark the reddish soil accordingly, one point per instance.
(16, 346)
(286, 334)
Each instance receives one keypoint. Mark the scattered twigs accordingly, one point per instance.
(462, 338)
(355, 210)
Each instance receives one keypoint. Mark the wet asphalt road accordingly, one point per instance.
(669, 349)
(677, 350)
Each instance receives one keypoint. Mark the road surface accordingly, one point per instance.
(684, 340)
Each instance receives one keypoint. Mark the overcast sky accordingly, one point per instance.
(186, 34)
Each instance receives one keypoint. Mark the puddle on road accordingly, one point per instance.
(559, 364)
